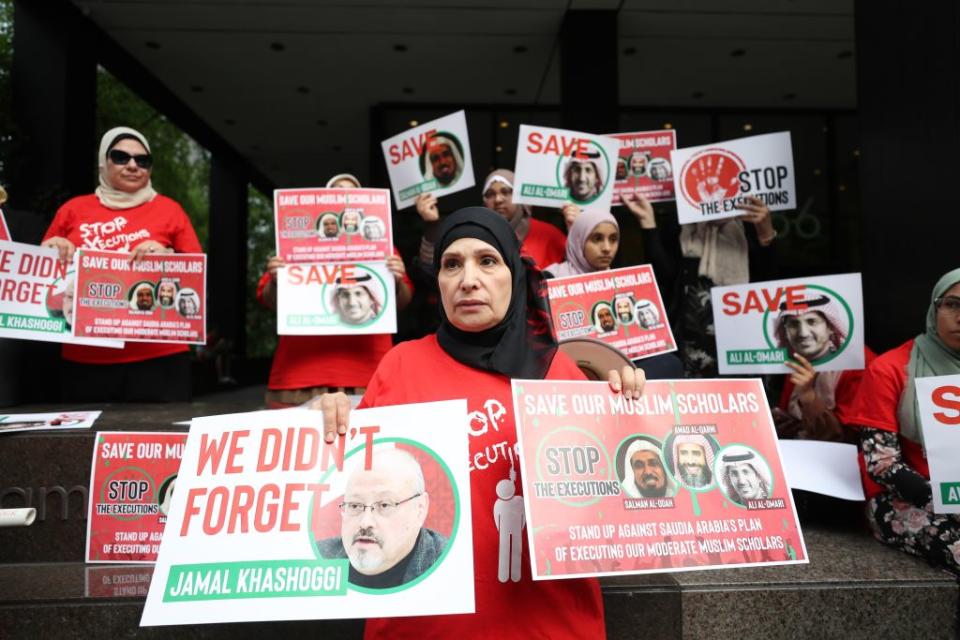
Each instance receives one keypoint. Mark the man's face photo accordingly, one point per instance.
(144, 298)
(692, 464)
(605, 319)
(646, 316)
(383, 512)
(355, 304)
(166, 292)
(745, 480)
(621, 170)
(625, 310)
(638, 164)
(351, 221)
(648, 474)
(583, 180)
(808, 334)
(189, 303)
(444, 163)
(329, 227)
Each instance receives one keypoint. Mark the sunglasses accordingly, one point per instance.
(121, 158)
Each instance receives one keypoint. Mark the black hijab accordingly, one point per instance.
(522, 344)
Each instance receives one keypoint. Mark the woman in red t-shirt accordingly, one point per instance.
(124, 214)
(894, 465)
(494, 327)
(306, 366)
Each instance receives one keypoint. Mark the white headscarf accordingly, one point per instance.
(721, 247)
(629, 485)
(109, 196)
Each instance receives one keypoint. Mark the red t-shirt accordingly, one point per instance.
(301, 362)
(876, 407)
(844, 395)
(544, 243)
(90, 225)
(420, 371)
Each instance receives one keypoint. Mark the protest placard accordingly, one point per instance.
(711, 180)
(133, 475)
(336, 299)
(36, 296)
(269, 522)
(556, 167)
(160, 298)
(643, 165)
(4, 231)
(13, 422)
(621, 307)
(433, 157)
(332, 225)
(759, 326)
(939, 403)
(686, 477)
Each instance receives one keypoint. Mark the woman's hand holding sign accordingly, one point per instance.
(148, 246)
(64, 246)
(641, 208)
(758, 213)
(426, 204)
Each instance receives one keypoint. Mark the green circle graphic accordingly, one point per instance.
(386, 292)
(830, 356)
(600, 446)
(607, 185)
(106, 481)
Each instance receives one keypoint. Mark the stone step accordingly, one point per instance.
(853, 588)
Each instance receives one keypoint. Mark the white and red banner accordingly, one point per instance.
(433, 157)
(643, 165)
(133, 476)
(939, 402)
(36, 296)
(14, 422)
(557, 167)
(621, 307)
(333, 225)
(711, 180)
(161, 298)
(686, 477)
(270, 522)
(761, 325)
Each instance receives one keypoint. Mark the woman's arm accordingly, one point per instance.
(884, 462)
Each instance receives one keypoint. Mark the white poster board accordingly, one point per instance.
(336, 299)
(711, 180)
(939, 402)
(556, 167)
(256, 531)
(430, 158)
(760, 325)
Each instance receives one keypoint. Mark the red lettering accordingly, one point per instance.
(348, 273)
(210, 526)
(192, 508)
(394, 154)
(269, 509)
(534, 142)
(295, 274)
(5, 261)
(731, 303)
(242, 501)
(941, 400)
(269, 441)
(210, 452)
(368, 433)
(795, 298)
(552, 146)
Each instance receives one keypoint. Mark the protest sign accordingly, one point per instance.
(939, 402)
(132, 480)
(36, 296)
(556, 167)
(115, 581)
(686, 477)
(621, 307)
(711, 180)
(332, 225)
(13, 422)
(4, 231)
(160, 298)
(336, 299)
(643, 165)
(759, 326)
(269, 522)
(431, 158)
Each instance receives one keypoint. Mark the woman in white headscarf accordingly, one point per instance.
(124, 214)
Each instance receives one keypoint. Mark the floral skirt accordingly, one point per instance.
(916, 530)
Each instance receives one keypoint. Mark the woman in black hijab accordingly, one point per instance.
(494, 327)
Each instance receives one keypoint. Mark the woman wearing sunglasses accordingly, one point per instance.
(124, 214)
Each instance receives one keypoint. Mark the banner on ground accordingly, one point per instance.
(939, 401)
(643, 165)
(269, 522)
(759, 326)
(621, 307)
(161, 298)
(116, 581)
(557, 167)
(132, 480)
(711, 180)
(332, 225)
(431, 158)
(36, 296)
(336, 299)
(686, 477)
(13, 422)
